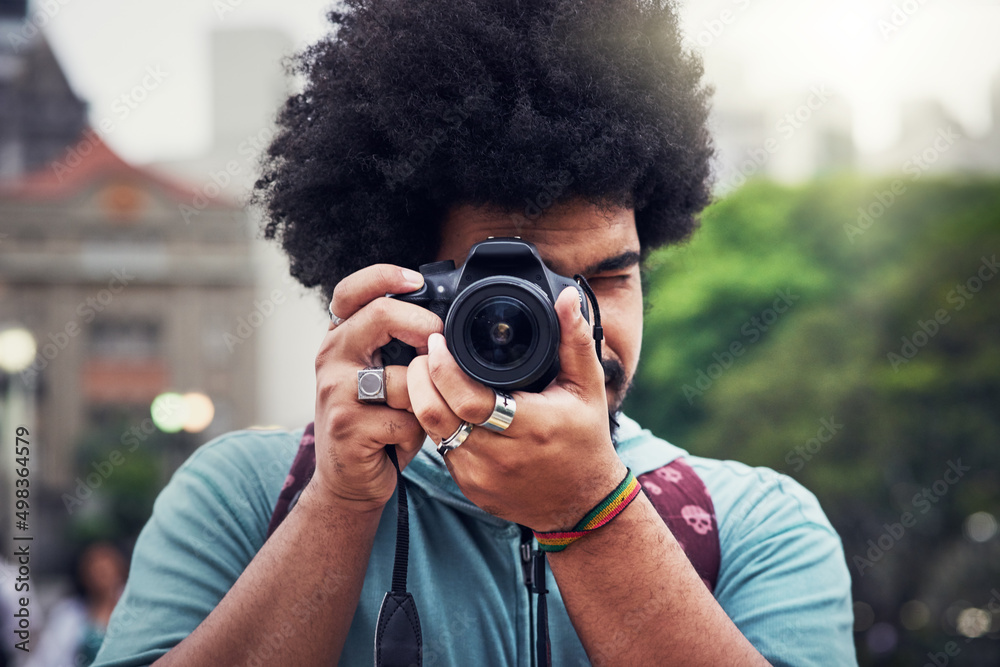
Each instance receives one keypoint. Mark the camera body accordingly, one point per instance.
(499, 316)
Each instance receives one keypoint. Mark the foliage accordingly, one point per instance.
(118, 475)
(854, 294)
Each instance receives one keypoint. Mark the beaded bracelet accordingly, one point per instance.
(606, 510)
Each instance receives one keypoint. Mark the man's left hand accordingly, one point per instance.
(555, 461)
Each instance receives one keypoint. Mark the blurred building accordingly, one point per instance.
(789, 138)
(249, 85)
(132, 284)
(933, 141)
(797, 137)
(39, 113)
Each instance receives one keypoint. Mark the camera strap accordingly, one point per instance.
(598, 329)
(533, 570)
(398, 642)
(533, 560)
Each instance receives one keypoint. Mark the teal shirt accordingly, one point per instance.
(783, 579)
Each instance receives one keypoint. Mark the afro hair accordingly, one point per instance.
(412, 107)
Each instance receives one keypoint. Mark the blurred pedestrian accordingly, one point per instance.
(75, 628)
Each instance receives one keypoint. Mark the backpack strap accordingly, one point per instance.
(299, 475)
(678, 494)
(683, 502)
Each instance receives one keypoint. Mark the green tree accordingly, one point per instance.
(889, 332)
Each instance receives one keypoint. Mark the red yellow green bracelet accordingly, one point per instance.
(606, 510)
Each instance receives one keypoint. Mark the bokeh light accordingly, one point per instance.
(914, 615)
(864, 616)
(17, 350)
(169, 412)
(951, 614)
(973, 622)
(980, 527)
(191, 412)
(882, 638)
(200, 412)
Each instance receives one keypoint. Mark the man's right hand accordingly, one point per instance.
(351, 465)
(321, 550)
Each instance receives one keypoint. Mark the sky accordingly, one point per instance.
(875, 54)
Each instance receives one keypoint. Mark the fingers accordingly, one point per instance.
(467, 399)
(441, 395)
(429, 407)
(396, 393)
(381, 320)
(579, 365)
(371, 282)
(385, 425)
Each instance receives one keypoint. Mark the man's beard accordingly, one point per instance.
(618, 385)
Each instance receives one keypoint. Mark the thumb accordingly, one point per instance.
(578, 360)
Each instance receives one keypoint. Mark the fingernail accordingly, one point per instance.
(434, 341)
(412, 278)
(576, 300)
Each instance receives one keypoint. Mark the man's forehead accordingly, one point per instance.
(572, 238)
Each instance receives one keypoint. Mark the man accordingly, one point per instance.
(426, 127)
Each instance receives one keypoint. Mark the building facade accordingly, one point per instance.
(131, 284)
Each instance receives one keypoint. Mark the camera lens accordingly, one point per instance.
(501, 333)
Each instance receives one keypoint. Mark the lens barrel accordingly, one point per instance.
(503, 332)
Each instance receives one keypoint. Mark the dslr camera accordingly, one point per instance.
(499, 316)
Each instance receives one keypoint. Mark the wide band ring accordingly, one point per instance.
(371, 385)
(503, 412)
(334, 320)
(455, 440)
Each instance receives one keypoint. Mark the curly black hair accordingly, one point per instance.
(412, 107)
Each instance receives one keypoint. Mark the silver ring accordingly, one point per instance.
(455, 440)
(334, 320)
(371, 385)
(503, 413)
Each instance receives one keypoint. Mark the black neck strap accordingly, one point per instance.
(398, 641)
